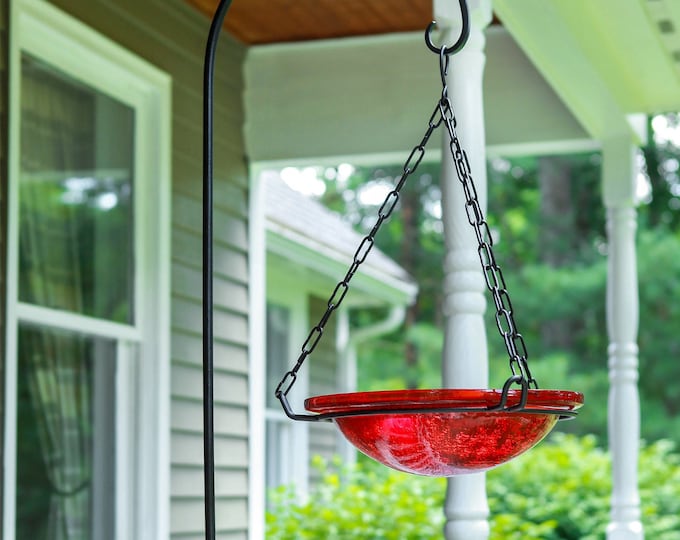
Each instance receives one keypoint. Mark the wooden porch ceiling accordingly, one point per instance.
(257, 22)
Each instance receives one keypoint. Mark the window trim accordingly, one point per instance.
(41, 29)
(257, 278)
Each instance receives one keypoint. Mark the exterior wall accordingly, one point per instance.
(4, 55)
(171, 35)
(323, 375)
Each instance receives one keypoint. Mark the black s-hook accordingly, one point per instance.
(462, 39)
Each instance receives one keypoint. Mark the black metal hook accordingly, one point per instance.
(462, 39)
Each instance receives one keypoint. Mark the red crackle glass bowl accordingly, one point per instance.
(409, 432)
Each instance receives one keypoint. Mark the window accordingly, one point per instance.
(88, 354)
(76, 185)
(76, 180)
(277, 429)
(286, 442)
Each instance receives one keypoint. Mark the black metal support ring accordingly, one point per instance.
(501, 407)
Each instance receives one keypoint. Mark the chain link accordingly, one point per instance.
(493, 275)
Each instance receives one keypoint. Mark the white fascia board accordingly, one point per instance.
(544, 148)
(324, 260)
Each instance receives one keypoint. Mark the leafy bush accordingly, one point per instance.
(563, 486)
(558, 491)
(364, 502)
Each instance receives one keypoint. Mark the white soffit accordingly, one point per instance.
(607, 59)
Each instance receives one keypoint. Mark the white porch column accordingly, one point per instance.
(619, 178)
(465, 358)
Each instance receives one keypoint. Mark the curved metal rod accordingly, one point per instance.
(462, 39)
(208, 375)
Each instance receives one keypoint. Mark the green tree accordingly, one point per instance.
(662, 165)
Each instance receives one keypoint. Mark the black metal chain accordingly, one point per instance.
(341, 289)
(493, 275)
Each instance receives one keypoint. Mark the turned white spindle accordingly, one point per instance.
(465, 358)
(619, 175)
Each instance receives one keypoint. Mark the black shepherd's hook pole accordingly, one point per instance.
(208, 399)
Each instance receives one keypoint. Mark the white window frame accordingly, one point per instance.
(143, 384)
(257, 278)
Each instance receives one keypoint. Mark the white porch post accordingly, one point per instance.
(622, 323)
(465, 359)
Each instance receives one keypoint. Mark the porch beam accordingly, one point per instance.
(465, 356)
(308, 103)
(578, 47)
(619, 176)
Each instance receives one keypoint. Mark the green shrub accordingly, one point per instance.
(365, 502)
(563, 486)
(560, 490)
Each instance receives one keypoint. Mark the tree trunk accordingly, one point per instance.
(555, 235)
(410, 210)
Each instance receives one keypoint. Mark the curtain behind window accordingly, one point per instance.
(76, 224)
(56, 135)
(60, 223)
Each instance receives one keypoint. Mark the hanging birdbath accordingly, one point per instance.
(445, 432)
(441, 432)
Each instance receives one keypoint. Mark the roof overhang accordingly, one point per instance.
(314, 247)
(293, 257)
(609, 61)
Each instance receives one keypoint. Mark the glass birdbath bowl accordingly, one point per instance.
(445, 432)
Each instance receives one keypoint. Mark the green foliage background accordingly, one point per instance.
(558, 491)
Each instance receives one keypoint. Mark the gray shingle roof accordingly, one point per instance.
(290, 210)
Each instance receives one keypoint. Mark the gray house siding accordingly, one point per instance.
(171, 35)
(4, 106)
(323, 375)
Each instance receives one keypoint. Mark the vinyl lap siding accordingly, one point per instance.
(4, 55)
(231, 395)
(323, 437)
(171, 35)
